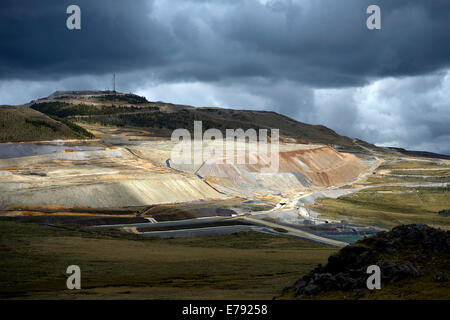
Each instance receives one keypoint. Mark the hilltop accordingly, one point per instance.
(129, 110)
(83, 109)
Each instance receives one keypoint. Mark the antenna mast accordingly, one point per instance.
(114, 82)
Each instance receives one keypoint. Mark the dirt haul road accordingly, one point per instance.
(298, 233)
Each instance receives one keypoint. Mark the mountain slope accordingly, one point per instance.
(19, 123)
(118, 109)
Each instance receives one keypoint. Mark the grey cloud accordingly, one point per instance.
(115, 35)
(412, 112)
(313, 60)
(320, 43)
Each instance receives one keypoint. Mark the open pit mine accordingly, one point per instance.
(125, 177)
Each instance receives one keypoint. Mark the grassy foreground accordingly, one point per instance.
(34, 258)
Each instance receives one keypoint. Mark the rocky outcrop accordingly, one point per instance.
(405, 252)
(445, 212)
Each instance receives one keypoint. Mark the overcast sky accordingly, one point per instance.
(312, 60)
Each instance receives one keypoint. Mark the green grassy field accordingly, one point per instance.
(390, 206)
(413, 164)
(395, 202)
(34, 258)
(427, 173)
(406, 178)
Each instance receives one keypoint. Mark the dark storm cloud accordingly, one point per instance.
(313, 60)
(36, 44)
(321, 43)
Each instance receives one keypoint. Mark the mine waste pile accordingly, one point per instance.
(414, 261)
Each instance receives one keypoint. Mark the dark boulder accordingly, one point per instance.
(408, 270)
(325, 281)
(360, 293)
(311, 289)
(350, 257)
(345, 282)
(423, 236)
(440, 277)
